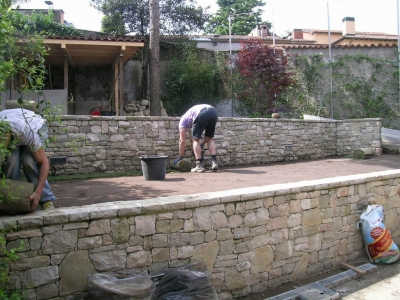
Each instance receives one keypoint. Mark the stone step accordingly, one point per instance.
(320, 290)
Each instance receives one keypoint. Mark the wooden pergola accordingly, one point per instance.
(94, 51)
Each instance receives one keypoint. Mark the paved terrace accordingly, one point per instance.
(95, 191)
(251, 238)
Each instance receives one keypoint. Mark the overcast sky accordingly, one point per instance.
(286, 15)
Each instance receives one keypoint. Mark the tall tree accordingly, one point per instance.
(133, 16)
(155, 107)
(177, 17)
(245, 15)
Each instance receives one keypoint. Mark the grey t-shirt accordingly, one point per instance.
(26, 127)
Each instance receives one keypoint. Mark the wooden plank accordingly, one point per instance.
(116, 86)
(66, 73)
(120, 106)
(71, 61)
(94, 43)
(358, 270)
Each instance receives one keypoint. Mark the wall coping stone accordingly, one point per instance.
(163, 118)
(162, 204)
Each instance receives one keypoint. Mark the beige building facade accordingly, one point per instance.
(300, 38)
(347, 36)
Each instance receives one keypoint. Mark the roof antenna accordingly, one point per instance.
(49, 3)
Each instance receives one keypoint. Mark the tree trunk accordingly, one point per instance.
(155, 86)
(145, 72)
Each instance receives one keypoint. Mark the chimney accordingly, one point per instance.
(297, 34)
(58, 16)
(349, 27)
(264, 31)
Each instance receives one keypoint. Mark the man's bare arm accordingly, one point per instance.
(182, 141)
(41, 158)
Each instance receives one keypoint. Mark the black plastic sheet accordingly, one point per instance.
(186, 283)
(120, 286)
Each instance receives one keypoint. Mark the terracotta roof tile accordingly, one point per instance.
(233, 37)
(294, 46)
(321, 31)
(375, 36)
(239, 38)
(358, 36)
(387, 45)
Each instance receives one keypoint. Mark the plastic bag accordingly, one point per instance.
(379, 243)
(186, 283)
(118, 286)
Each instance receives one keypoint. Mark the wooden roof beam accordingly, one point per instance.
(94, 43)
(71, 62)
(121, 54)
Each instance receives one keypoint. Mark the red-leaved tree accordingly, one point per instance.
(264, 75)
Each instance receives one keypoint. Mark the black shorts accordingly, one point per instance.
(206, 120)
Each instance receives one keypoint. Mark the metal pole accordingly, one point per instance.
(273, 30)
(230, 64)
(330, 58)
(398, 45)
(230, 38)
(329, 33)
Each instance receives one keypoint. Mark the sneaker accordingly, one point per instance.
(47, 205)
(199, 168)
(214, 166)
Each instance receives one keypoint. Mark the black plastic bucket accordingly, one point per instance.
(154, 167)
(108, 113)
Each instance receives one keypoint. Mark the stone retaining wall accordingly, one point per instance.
(251, 239)
(115, 144)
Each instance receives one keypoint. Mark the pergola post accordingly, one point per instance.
(121, 85)
(116, 89)
(65, 72)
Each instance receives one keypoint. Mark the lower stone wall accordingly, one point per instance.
(250, 239)
(115, 144)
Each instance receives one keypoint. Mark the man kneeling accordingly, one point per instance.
(26, 135)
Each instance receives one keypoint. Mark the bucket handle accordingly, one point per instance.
(150, 157)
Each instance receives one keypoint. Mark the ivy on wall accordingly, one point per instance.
(39, 23)
(362, 86)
